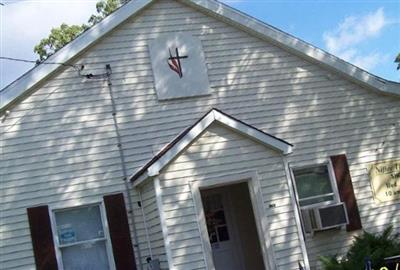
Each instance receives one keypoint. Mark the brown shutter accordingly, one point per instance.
(124, 256)
(42, 238)
(346, 191)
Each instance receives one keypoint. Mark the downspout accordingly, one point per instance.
(123, 166)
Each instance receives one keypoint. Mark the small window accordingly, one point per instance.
(81, 239)
(314, 185)
(215, 219)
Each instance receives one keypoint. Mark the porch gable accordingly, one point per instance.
(185, 138)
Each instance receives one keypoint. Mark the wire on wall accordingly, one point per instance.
(125, 179)
(105, 75)
(78, 68)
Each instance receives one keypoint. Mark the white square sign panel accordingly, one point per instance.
(179, 66)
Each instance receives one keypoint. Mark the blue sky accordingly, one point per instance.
(363, 32)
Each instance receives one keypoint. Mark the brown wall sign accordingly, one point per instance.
(385, 180)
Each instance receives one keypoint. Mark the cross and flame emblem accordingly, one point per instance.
(174, 62)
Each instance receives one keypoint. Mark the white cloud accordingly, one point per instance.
(354, 31)
(36, 18)
(371, 60)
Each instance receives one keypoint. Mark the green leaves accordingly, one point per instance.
(58, 38)
(397, 60)
(62, 35)
(375, 246)
(331, 263)
(103, 8)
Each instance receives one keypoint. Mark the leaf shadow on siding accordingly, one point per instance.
(219, 153)
(318, 111)
(58, 149)
(323, 115)
(65, 150)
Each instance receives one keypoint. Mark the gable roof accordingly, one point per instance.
(298, 47)
(185, 138)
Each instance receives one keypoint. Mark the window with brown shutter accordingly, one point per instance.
(124, 256)
(318, 198)
(42, 238)
(80, 238)
(346, 191)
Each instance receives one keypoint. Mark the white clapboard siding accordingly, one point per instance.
(59, 143)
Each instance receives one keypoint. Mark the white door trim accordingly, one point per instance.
(260, 215)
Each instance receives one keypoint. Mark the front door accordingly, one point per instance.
(222, 231)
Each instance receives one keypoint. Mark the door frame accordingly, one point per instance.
(260, 215)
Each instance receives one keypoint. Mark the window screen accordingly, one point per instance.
(313, 185)
(81, 238)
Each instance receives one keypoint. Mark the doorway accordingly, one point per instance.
(231, 228)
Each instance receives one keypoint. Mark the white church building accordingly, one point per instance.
(183, 135)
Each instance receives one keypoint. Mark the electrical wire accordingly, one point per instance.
(39, 63)
(89, 76)
(78, 68)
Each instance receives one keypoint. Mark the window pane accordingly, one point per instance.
(312, 182)
(88, 256)
(79, 224)
(223, 234)
(215, 218)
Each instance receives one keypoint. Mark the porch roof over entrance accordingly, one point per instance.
(185, 138)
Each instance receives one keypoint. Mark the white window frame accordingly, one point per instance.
(332, 178)
(106, 238)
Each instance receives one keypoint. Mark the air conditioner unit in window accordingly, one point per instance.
(324, 217)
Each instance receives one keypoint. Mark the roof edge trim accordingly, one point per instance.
(298, 46)
(37, 74)
(176, 146)
(294, 45)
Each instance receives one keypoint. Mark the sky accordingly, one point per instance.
(363, 32)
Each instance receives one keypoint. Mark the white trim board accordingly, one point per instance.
(41, 72)
(173, 149)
